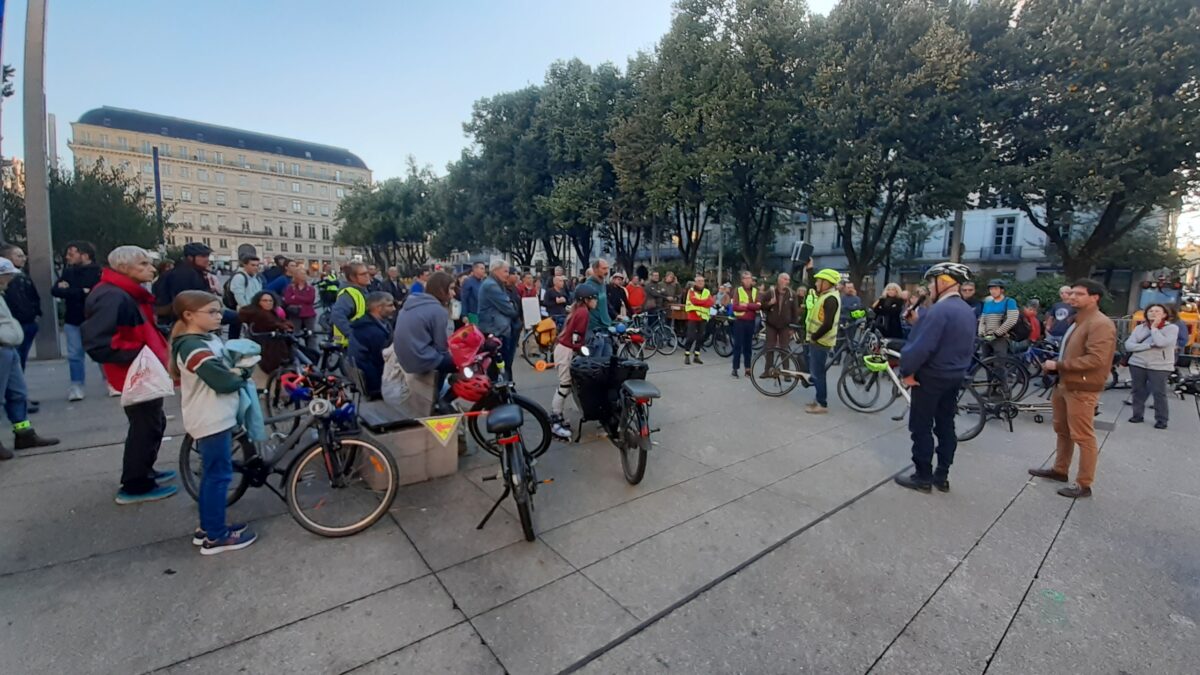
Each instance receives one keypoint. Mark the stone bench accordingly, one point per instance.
(418, 453)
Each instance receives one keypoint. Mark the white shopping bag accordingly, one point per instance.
(394, 385)
(146, 380)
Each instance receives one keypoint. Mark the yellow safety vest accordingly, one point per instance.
(702, 311)
(816, 316)
(360, 309)
(742, 299)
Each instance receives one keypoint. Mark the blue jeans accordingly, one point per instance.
(31, 331)
(12, 379)
(743, 341)
(75, 354)
(817, 356)
(217, 454)
(934, 405)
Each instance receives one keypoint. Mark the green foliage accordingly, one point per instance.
(393, 219)
(1044, 289)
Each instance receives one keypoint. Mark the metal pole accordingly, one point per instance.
(720, 253)
(37, 178)
(3, 7)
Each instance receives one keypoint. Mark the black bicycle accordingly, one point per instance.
(327, 358)
(517, 465)
(535, 425)
(615, 393)
(335, 485)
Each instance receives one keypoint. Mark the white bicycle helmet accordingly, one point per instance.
(957, 271)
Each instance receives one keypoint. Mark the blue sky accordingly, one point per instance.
(386, 79)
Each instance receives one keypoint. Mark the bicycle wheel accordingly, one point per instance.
(1000, 378)
(781, 378)
(864, 390)
(721, 342)
(340, 491)
(191, 468)
(635, 440)
(535, 432)
(758, 341)
(666, 340)
(632, 350)
(971, 414)
(521, 492)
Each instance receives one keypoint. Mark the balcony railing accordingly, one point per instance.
(996, 253)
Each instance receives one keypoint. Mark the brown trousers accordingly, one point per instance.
(1074, 416)
(776, 337)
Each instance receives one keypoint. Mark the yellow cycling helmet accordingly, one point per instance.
(831, 275)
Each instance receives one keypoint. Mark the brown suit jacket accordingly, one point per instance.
(1087, 357)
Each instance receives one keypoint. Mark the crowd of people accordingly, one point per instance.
(114, 313)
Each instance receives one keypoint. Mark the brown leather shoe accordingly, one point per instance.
(1049, 474)
(1075, 492)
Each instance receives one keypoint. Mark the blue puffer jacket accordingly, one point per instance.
(496, 311)
(422, 330)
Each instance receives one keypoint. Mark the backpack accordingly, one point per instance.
(1022, 329)
(227, 295)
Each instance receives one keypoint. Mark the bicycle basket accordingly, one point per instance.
(590, 371)
(629, 369)
(875, 363)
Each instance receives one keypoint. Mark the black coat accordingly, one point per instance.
(183, 277)
(81, 279)
(369, 338)
(23, 299)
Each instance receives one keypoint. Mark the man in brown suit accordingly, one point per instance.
(1083, 366)
(781, 309)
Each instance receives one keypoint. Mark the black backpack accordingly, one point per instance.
(227, 295)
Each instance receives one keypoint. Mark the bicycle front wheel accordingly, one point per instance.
(783, 375)
(970, 414)
(342, 490)
(191, 468)
(864, 390)
(635, 441)
(535, 432)
(721, 343)
(666, 340)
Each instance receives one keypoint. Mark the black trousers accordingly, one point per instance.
(934, 404)
(147, 422)
(694, 338)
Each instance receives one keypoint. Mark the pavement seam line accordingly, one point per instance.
(673, 607)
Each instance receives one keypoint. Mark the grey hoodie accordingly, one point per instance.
(422, 330)
(1152, 348)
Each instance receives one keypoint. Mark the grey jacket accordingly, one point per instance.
(1152, 348)
(495, 309)
(421, 333)
(341, 314)
(11, 333)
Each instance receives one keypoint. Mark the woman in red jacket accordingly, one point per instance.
(570, 341)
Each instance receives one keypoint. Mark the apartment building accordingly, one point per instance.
(228, 188)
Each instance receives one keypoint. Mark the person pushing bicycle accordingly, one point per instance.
(933, 363)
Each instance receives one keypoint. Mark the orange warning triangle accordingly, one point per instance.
(442, 428)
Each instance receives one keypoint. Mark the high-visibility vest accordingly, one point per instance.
(702, 312)
(743, 299)
(360, 310)
(816, 316)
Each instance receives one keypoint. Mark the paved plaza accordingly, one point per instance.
(762, 540)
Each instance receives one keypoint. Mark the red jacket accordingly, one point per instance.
(118, 322)
(576, 326)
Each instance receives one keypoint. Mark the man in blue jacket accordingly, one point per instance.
(496, 310)
(470, 291)
(371, 335)
(934, 363)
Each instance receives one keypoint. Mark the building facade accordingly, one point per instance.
(228, 188)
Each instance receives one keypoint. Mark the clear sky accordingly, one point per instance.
(383, 78)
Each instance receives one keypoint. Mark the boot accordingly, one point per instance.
(27, 438)
(687, 359)
(696, 359)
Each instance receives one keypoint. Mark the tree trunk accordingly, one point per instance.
(1077, 267)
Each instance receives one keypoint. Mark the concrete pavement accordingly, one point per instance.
(762, 540)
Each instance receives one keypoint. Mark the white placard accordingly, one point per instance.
(531, 308)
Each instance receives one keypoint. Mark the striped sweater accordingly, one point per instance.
(209, 387)
(998, 317)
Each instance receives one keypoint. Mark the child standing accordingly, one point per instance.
(210, 409)
(573, 338)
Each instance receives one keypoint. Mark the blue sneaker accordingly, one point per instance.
(160, 492)
(163, 476)
(199, 535)
(233, 542)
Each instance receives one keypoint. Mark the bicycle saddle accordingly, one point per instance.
(505, 418)
(640, 389)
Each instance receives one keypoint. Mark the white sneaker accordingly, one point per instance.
(75, 393)
(560, 431)
(113, 392)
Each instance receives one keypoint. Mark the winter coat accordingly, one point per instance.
(421, 334)
(118, 322)
(81, 279)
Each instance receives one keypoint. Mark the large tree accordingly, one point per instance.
(1095, 118)
(893, 115)
(394, 219)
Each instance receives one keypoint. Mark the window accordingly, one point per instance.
(1003, 234)
(221, 243)
(221, 221)
(145, 147)
(337, 176)
(245, 224)
(203, 197)
(280, 186)
(325, 250)
(265, 183)
(325, 233)
(295, 206)
(207, 241)
(122, 143)
(324, 209)
(183, 151)
(202, 174)
(243, 181)
(104, 140)
(220, 198)
(242, 161)
(266, 165)
(266, 203)
(164, 150)
(184, 172)
(279, 167)
(267, 230)
(168, 192)
(295, 169)
(165, 169)
(205, 224)
(312, 231)
(220, 178)
(308, 188)
(270, 246)
(296, 187)
(312, 248)
(185, 194)
(341, 193)
(217, 157)
(312, 208)
(199, 154)
(296, 230)
(325, 191)
(147, 168)
(283, 247)
(244, 200)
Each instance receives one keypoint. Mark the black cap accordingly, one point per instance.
(195, 248)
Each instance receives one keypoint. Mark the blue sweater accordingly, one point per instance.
(470, 295)
(942, 342)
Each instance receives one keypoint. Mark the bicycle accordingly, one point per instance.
(659, 336)
(631, 344)
(503, 391)
(532, 349)
(861, 388)
(718, 336)
(517, 466)
(789, 368)
(334, 485)
(615, 393)
(303, 361)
